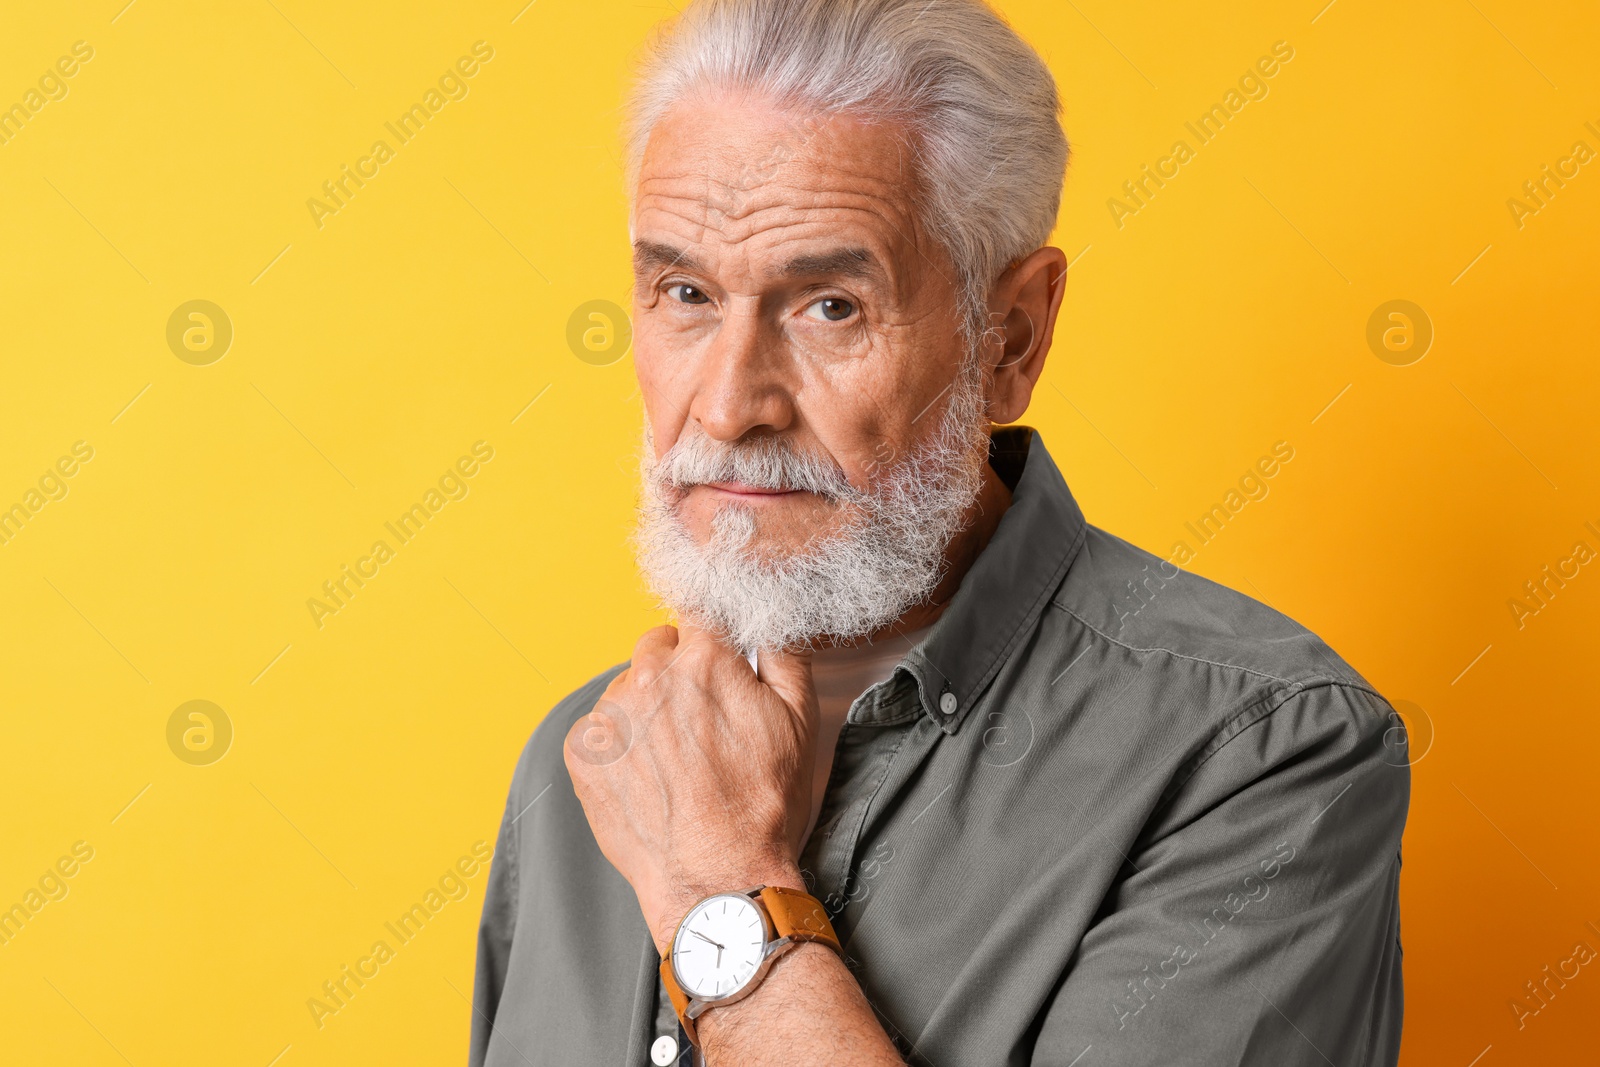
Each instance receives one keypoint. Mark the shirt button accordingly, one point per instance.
(664, 1051)
(947, 703)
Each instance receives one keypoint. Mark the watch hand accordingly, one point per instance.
(708, 941)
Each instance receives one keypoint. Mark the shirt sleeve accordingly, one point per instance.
(1256, 918)
(495, 930)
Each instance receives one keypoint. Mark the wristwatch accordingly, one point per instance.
(727, 942)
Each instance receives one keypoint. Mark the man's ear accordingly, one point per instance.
(1022, 315)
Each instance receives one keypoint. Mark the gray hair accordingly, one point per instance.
(979, 102)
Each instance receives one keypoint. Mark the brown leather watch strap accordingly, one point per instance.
(799, 916)
(680, 999)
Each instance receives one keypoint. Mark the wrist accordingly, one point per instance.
(803, 967)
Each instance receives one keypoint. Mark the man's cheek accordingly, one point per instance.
(666, 386)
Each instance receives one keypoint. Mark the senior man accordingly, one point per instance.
(930, 770)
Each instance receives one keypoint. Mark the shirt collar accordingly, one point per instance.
(1002, 595)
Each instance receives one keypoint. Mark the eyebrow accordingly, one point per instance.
(847, 262)
(649, 255)
(844, 262)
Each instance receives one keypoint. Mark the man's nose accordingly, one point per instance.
(741, 385)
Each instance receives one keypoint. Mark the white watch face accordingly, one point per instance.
(719, 946)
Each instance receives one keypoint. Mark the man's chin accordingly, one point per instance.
(767, 551)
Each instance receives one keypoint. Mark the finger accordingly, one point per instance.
(651, 653)
(719, 649)
(690, 634)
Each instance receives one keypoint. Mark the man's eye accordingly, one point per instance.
(688, 294)
(832, 309)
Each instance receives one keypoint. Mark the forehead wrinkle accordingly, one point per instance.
(774, 225)
(799, 184)
(868, 225)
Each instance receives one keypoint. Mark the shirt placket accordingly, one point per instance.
(869, 741)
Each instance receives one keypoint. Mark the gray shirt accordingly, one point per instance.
(1106, 813)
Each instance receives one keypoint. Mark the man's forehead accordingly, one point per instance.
(804, 196)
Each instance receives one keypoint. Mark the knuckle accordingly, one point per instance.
(654, 641)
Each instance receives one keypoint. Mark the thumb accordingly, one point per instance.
(788, 673)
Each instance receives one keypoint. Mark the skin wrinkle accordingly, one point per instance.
(864, 191)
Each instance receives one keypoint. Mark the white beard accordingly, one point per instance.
(886, 557)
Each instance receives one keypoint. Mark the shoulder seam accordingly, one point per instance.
(1216, 742)
(1312, 682)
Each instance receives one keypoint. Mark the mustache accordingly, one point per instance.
(766, 462)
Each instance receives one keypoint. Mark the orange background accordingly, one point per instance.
(369, 754)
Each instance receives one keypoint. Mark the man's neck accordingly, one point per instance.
(983, 517)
